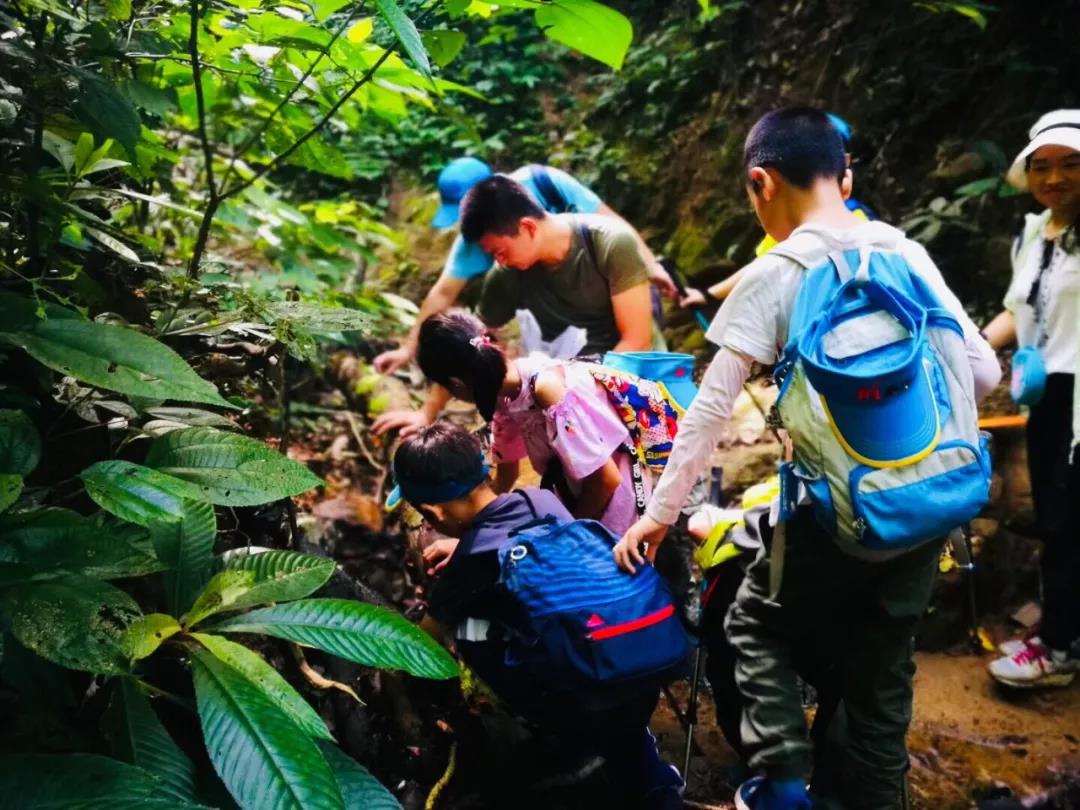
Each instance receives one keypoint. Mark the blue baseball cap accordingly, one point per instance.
(866, 357)
(456, 178)
(841, 126)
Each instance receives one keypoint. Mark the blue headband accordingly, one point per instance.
(416, 492)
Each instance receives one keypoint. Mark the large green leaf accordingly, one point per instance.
(406, 32)
(444, 46)
(112, 357)
(137, 736)
(53, 541)
(257, 750)
(186, 547)
(80, 782)
(360, 788)
(220, 593)
(11, 487)
(321, 320)
(230, 470)
(138, 494)
(20, 444)
(280, 576)
(108, 111)
(357, 631)
(269, 680)
(73, 621)
(148, 633)
(589, 27)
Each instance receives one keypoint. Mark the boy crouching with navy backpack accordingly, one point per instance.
(536, 606)
(879, 369)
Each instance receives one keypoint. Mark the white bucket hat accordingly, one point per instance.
(1057, 128)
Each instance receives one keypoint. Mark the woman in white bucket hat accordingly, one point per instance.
(1042, 315)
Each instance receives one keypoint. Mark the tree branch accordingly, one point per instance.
(280, 159)
(265, 125)
(196, 73)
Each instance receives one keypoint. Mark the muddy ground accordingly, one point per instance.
(969, 741)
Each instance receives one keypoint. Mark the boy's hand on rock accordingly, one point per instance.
(438, 554)
(628, 550)
(405, 422)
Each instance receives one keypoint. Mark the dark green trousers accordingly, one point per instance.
(852, 620)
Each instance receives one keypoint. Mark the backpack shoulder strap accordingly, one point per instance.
(553, 200)
(590, 246)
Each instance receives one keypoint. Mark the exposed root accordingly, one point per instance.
(444, 780)
(320, 681)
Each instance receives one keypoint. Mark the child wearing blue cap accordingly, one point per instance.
(554, 190)
(809, 588)
(441, 471)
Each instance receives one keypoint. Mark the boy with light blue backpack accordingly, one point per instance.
(879, 369)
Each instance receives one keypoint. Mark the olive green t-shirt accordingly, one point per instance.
(575, 292)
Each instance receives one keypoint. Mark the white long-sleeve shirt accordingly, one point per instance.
(752, 325)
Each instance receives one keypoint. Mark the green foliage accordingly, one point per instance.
(260, 673)
(82, 782)
(110, 357)
(179, 184)
(137, 736)
(279, 576)
(356, 631)
(74, 621)
(260, 754)
(229, 469)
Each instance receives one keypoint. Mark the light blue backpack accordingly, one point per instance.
(877, 395)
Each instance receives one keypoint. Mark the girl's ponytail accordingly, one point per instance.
(457, 345)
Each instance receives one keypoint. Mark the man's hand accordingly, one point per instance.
(438, 554)
(693, 298)
(627, 552)
(661, 279)
(391, 361)
(405, 422)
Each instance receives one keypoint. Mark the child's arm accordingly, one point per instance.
(506, 475)
(699, 432)
(598, 486)
(596, 491)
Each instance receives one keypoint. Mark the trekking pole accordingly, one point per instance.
(676, 277)
(692, 709)
(961, 550)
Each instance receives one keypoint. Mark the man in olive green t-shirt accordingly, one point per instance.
(567, 269)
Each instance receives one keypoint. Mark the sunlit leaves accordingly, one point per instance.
(405, 30)
(111, 357)
(138, 494)
(228, 469)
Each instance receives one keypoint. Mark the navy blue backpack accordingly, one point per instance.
(584, 622)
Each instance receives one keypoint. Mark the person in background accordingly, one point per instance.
(1042, 310)
(555, 192)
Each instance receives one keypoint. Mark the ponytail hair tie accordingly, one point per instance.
(480, 340)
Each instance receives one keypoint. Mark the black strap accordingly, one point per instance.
(638, 478)
(553, 200)
(590, 247)
(537, 519)
(1054, 126)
